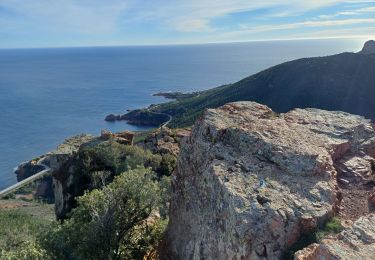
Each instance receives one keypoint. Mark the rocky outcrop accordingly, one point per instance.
(144, 117)
(124, 137)
(43, 186)
(61, 163)
(355, 242)
(112, 117)
(164, 140)
(28, 169)
(369, 47)
(250, 183)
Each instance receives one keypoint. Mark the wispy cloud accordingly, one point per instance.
(131, 21)
(369, 9)
(64, 15)
(288, 26)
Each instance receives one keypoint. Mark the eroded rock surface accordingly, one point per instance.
(250, 182)
(165, 140)
(355, 242)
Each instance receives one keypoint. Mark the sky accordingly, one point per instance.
(60, 23)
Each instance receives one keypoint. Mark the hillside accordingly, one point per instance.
(343, 82)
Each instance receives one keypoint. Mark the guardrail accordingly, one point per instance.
(24, 182)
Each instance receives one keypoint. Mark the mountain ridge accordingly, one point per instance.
(344, 82)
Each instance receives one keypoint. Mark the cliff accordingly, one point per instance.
(252, 184)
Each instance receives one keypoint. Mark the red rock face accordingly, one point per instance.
(250, 182)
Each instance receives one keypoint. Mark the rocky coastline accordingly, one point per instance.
(176, 95)
(140, 117)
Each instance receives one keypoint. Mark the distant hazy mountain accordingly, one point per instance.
(343, 82)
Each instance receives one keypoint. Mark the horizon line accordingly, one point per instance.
(359, 37)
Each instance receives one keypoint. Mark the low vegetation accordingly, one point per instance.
(120, 221)
(19, 229)
(125, 219)
(121, 215)
(333, 226)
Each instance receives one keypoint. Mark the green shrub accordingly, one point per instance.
(116, 158)
(30, 250)
(115, 222)
(333, 226)
(167, 165)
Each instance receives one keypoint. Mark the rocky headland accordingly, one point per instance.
(343, 82)
(176, 95)
(251, 183)
(143, 117)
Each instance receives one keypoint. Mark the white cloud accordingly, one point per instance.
(64, 15)
(109, 20)
(192, 25)
(180, 14)
(364, 10)
(103, 16)
(288, 26)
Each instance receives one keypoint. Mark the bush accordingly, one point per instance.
(116, 222)
(18, 235)
(29, 250)
(167, 165)
(333, 226)
(116, 158)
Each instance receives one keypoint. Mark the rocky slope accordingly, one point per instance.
(251, 183)
(355, 242)
(344, 82)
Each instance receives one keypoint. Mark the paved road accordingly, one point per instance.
(166, 123)
(22, 183)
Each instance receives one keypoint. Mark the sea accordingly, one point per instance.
(50, 94)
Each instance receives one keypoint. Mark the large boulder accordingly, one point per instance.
(355, 242)
(250, 183)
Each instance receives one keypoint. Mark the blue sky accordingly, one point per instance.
(48, 23)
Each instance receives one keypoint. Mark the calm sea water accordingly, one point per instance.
(47, 95)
